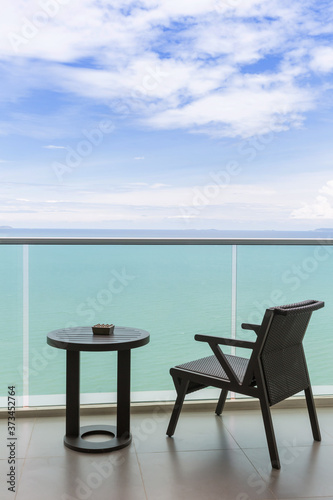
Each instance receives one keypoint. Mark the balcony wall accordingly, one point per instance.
(172, 288)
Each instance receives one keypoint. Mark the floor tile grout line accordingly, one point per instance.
(19, 478)
(232, 436)
(242, 449)
(25, 458)
(141, 473)
(259, 474)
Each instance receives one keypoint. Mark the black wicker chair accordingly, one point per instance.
(275, 370)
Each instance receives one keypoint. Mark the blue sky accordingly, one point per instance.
(166, 114)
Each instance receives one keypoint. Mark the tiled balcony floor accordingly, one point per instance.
(209, 458)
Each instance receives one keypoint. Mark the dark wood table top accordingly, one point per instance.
(81, 338)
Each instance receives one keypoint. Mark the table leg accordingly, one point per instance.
(120, 434)
(123, 394)
(73, 393)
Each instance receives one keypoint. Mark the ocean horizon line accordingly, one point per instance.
(8, 231)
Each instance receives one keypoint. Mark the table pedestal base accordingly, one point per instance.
(77, 443)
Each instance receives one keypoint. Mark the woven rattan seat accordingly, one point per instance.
(211, 367)
(275, 370)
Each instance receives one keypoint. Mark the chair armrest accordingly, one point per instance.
(221, 357)
(224, 341)
(249, 326)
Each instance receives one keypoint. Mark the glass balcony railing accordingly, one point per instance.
(172, 288)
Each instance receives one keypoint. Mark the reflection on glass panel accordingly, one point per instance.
(11, 319)
(173, 292)
(275, 275)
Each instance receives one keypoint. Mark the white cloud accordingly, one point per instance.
(158, 185)
(51, 146)
(322, 59)
(138, 195)
(248, 204)
(322, 208)
(327, 188)
(175, 63)
(135, 184)
(248, 107)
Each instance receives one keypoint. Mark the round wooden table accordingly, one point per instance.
(74, 340)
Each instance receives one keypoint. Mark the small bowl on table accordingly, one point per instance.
(103, 329)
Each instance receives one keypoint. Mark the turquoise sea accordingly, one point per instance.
(173, 291)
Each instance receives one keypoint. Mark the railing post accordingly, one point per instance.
(233, 300)
(25, 325)
(233, 294)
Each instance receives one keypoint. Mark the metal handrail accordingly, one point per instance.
(82, 240)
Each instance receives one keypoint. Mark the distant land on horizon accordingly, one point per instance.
(8, 231)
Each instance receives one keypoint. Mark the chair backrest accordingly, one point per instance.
(282, 355)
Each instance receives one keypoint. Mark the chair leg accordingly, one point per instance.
(221, 401)
(181, 388)
(270, 435)
(312, 414)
